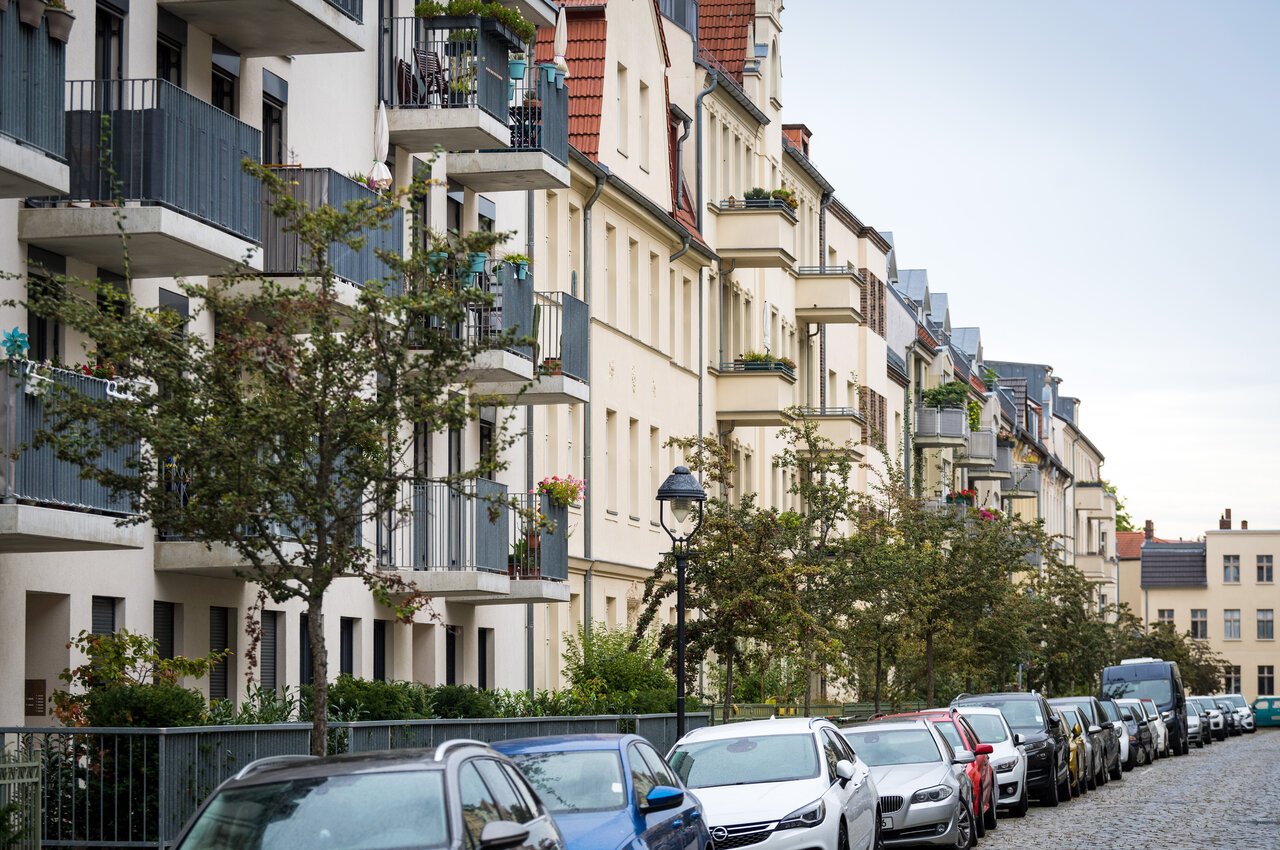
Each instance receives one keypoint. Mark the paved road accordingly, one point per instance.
(1225, 795)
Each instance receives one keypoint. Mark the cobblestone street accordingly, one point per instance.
(1220, 796)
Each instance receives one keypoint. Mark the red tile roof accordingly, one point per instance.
(588, 31)
(723, 26)
(1129, 544)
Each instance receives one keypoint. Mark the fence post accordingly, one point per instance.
(164, 784)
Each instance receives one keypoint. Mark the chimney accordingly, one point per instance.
(1224, 522)
(798, 135)
(1149, 530)
(1244, 525)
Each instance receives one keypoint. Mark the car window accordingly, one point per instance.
(583, 781)
(478, 805)
(527, 798)
(988, 728)
(658, 766)
(832, 755)
(510, 805)
(878, 747)
(747, 759)
(843, 750)
(949, 731)
(641, 776)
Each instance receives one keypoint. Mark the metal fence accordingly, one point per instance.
(941, 422)
(20, 802)
(446, 63)
(34, 473)
(759, 366)
(538, 552)
(283, 252)
(1024, 481)
(150, 142)
(32, 70)
(563, 323)
(138, 787)
(436, 525)
(739, 204)
(353, 9)
(509, 309)
(982, 445)
(539, 113)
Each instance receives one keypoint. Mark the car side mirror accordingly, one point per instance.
(502, 834)
(983, 750)
(845, 770)
(661, 798)
(1095, 730)
(1017, 739)
(964, 757)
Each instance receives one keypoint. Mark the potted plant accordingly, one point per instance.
(756, 361)
(560, 77)
(787, 362)
(59, 20)
(521, 262)
(562, 492)
(962, 497)
(31, 11)
(517, 66)
(461, 88)
(476, 261)
(756, 194)
(437, 260)
(952, 394)
(552, 366)
(786, 196)
(548, 71)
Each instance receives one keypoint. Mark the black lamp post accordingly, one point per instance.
(686, 495)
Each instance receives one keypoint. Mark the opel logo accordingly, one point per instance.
(719, 833)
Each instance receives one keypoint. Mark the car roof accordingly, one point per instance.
(564, 743)
(772, 726)
(980, 709)
(283, 769)
(890, 725)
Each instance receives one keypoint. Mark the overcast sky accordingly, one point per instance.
(1094, 184)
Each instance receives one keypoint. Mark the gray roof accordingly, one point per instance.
(1173, 564)
(895, 361)
(968, 340)
(940, 310)
(1007, 405)
(1066, 408)
(913, 283)
(961, 361)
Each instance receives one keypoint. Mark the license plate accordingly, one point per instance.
(886, 823)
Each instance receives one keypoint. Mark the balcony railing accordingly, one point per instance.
(834, 271)
(539, 114)
(284, 252)
(563, 333)
(539, 553)
(440, 526)
(149, 142)
(353, 9)
(32, 70)
(34, 474)
(982, 445)
(741, 204)
(945, 422)
(759, 366)
(446, 63)
(1024, 480)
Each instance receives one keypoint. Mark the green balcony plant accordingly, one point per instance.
(952, 394)
(509, 18)
(521, 262)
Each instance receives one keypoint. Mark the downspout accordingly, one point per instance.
(687, 240)
(697, 120)
(528, 460)
(827, 198)
(602, 177)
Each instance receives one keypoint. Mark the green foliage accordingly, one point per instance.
(1124, 521)
(990, 377)
(461, 701)
(756, 194)
(975, 415)
(260, 705)
(614, 662)
(516, 258)
(13, 825)
(367, 699)
(510, 18)
(950, 394)
(151, 706)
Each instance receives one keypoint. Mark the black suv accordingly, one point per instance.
(1107, 735)
(1035, 727)
(460, 795)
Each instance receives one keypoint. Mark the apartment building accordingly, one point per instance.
(1222, 590)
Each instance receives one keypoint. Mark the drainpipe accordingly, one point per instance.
(697, 120)
(687, 240)
(602, 177)
(528, 461)
(827, 198)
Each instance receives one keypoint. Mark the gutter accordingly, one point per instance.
(528, 460)
(697, 120)
(602, 176)
(827, 198)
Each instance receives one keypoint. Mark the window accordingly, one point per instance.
(1231, 569)
(223, 92)
(644, 126)
(655, 291)
(163, 617)
(1233, 679)
(380, 629)
(1266, 680)
(304, 651)
(1266, 569)
(1231, 624)
(611, 274)
(347, 646)
(510, 805)
(484, 658)
(611, 459)
(1266, 625)
(1165, 616)
(45, 334)
(452, 639)
(623, 104)
(108, 44)
(633, 287)
(269, 645)
(1200, 623)
(104, 615)
(273, 145)
(169, 61)
(831, 751)
(478, 805)
(655, 469)
(219, 639)
(633, 467)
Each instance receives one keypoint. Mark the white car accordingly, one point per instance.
(1112, 711)
(782, 784)
(1193, 727)
(1243, 710)
(1217, 722)
(1162, 730)
(1007, 759)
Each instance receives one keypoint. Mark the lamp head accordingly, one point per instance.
(683, 492)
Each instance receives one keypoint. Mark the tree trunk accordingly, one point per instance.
(728, 685)
(879, 665)
(928, 668)
(319, 677)
(808, 683)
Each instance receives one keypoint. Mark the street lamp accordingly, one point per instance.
(685, 494)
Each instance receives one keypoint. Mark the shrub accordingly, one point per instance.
(150, 706)
(364, 699)
(610, 663)
(459, 701)
(950, 394)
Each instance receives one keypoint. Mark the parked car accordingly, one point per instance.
(1035, 726)
(1104, 737)
(925, 795)
(1235, 726)
(1206, 723)
(1007, 759)
(777, 784)
(1112, 713)
(1156, 680)
(1217, 721)
(1162, 728)
(961, 735)
(1141, 742)
(1266, 711)
(462, 794)
(1247, 722)
(1081, 755)
(1195, 731)
(610, 790)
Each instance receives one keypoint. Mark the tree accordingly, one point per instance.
(293, 424)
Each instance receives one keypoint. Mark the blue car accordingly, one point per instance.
(610, 792)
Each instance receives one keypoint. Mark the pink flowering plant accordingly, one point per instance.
(563, 492)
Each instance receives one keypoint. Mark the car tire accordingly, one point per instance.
(979, 822)
(964, 826)
(989, 818)
(843, 841)
(1019, 809)
(1200, 742)
(877, 838)
(1117, 772)
(1091, 780)
(1052, 794)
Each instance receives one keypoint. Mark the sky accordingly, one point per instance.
(1096, 184)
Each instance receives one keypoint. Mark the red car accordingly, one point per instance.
(961, 736)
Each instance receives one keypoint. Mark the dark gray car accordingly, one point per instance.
(1107, 735)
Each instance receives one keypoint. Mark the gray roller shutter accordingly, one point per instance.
(162, 627)
(219, 622)
(267, 649)
(104, 615)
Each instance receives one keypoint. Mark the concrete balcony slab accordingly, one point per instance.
(753, 397)
(462, 128)
(273, 27)
(523, 591)
(32, 528)
(545, 389)
(26, 172)
(507, 171)
(828, 297)
(459, 585)
(188, 557)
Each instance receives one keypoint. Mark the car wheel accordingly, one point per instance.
(1052, 794)
(843, 842)
(877, 838)
(1200, 742)
(1118, 771)
(964, 827)
(1019, 809)
(1091, 780)
(979, 824)
(989, 819)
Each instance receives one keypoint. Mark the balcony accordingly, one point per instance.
(756, 234)
(445, 82)
(842, 426)
(173, 161)
(178, 555)
(540, 13)
(1094, 566)
(446, 542)
(32, 145)
(1024, 483)
(979, 451)
(1001, 470)
(828, 296)
(1092, 498)
(561, 324)
(47, 506)
(538, 557)
(755, 393)
(277, 27)
(285, 256)
(941, 427)
(538, 155)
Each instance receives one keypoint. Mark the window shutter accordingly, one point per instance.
(218, 634)
(267, 649)
(162, 626)
(104, 615)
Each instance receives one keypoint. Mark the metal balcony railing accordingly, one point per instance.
(841, 412)
(834, 271)
(149, 142)
(982, 445)
(563, 333)
(1025, 479)
(34, 474)
(353, 9)
(440, 526)
(509, 307)
(941, 422)
(446, 63)
(1004, 459)
(539, 114)
(177, 481)
(536, 552)
(283, 253)
(739, 204)
(759, 366)
(32, 70)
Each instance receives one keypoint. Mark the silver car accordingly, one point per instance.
(925, 794)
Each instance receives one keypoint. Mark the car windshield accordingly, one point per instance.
(988, 726)
(1159, 691)
(1237, 700)
(1023, 715)
(367, 811)
(746, 760)
(1085, 709)
(584, 781)
(1069, 714)
(1109, 710)
(893, 746)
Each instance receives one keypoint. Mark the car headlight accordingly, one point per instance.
(1036, 748)
(805, 816)
(1006, 765)
(936, 794)
(1133, 739)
